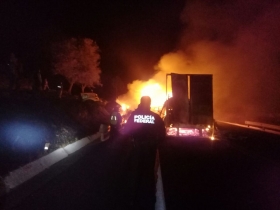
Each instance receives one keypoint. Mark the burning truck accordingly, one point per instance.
(189, 112)
(186, 104)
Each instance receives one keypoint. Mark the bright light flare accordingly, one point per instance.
(156, 92)
(47, 145)
(188, 132)
(152, 89)
(149, 90)
(124, 107)
(181, 132)
(25, 134)
(171, 131)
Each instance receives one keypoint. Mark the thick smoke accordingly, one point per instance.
(239, 43)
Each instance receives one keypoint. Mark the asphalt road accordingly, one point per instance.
(240, 171)
(199, 174)
(94, 178)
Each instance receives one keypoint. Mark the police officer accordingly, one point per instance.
(146, 130)
(115, 120)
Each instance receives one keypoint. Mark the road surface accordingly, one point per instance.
(240, 171)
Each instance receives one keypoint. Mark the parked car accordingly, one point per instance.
(90, 96)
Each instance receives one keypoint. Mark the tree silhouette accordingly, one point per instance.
(78, 61)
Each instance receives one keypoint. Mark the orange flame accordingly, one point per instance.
(151, 88)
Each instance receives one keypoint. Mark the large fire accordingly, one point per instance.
(151, 88)
(159, 93)
(156, 92)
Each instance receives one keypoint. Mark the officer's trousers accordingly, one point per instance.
(143, 183)
(115, 130)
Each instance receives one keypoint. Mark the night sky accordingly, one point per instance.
(129, 33)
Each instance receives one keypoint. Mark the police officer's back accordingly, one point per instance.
(147, 129)
(144, 125)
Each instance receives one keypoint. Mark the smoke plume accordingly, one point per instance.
(238, 42)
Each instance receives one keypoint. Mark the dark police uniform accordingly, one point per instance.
(147, 130)
(115, 121)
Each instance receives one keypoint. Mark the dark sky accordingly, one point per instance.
(132, 35)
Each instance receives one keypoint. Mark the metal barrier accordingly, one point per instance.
(275, 129)
(263, 126)
(26, 172)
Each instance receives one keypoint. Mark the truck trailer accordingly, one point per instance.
(189, 111)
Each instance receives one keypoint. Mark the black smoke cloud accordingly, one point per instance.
(238, 42)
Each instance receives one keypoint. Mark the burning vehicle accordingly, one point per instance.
(186, 104)
(189, 112)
